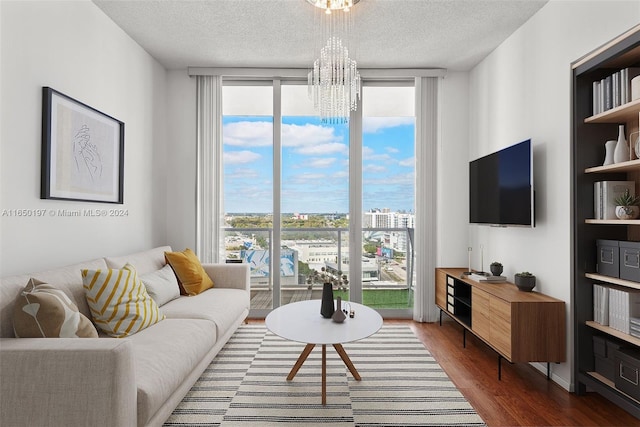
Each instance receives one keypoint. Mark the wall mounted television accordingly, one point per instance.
(501, 187)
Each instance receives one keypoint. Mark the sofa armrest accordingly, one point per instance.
(229, 275)
(67, 382)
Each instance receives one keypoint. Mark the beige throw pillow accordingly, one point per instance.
(42, 311)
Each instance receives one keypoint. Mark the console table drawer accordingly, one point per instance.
(480, 313)
(500, 317)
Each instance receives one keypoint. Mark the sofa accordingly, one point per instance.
(133, 381)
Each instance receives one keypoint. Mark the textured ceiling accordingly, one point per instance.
(452, 34)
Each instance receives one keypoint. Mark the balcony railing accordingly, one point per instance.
(389, 268)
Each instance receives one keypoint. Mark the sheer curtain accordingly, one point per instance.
(424, 308)
(209, 209)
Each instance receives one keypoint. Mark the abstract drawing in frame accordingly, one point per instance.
(82, 151)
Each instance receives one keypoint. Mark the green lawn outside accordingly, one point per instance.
(382, 298)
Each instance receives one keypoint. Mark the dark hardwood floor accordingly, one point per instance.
(524, 396)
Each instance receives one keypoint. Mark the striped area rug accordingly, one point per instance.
(402, 385)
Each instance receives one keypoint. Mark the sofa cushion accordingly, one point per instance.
(165, 354)
(162, 285)
(119, 302)
(191, 276)
(222, 306)
(42, 311)
(144, 262)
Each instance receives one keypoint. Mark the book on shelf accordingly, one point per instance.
(634, 327)
(605, 194)
(601, 304)
(613, 90)
(624, 304)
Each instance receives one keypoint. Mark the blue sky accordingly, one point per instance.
(315, 164)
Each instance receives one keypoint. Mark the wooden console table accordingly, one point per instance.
(519, 326)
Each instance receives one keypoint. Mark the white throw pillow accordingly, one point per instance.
(162, 285)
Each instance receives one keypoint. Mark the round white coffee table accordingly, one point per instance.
(301, 321)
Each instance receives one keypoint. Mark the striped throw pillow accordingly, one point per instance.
(119, 302)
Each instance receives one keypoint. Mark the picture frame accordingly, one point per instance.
(82, 151)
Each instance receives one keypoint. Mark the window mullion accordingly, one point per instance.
(277, 192)
(355, 204)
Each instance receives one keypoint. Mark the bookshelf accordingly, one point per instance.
(589, 133)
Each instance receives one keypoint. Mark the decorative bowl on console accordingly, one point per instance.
(525, 281)
(496, 268)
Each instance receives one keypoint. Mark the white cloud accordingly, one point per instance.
(397, 179)
(391, 150)
(309, 177)
(240, 157)
(305, 139)
(374, 168)
(308, 134)
(248, 134)
(375, 124)
(409, 162)
(328, 148)
(242, 173)
(320, 162)
(369, 154)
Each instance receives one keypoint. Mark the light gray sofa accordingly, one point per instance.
(134, 381)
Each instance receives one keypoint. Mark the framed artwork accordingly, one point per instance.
(82, 151)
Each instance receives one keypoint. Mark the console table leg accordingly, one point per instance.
(499, 368)
(548, 371)
(464, 337)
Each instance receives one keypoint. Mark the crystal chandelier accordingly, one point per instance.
(334, 83)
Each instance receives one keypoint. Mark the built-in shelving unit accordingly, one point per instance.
(622, 114)
(589, 133)
(613, 280)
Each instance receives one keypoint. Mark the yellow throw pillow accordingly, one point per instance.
(191, 276)
(119, 302)
(42, 311)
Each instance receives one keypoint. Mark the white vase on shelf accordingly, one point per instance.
(621, 153)
(609, 148)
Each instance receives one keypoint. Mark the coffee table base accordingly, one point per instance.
(343, 355)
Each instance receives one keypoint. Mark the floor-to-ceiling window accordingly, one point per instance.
(314, 195)
(388, 194)
(247, 135)
(287, 198)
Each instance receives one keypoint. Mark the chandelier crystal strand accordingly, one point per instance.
(334, 83)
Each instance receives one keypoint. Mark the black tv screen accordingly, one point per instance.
(501, 187)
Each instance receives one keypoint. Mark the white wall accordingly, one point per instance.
(453, 171)
(523, 90)
(76, 49)
(181, 168)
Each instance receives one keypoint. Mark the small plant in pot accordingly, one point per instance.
(525, 281)
(496, 268)
(627, 206)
